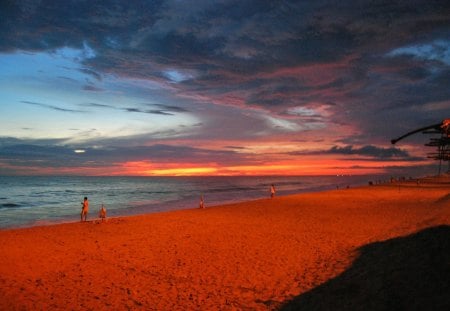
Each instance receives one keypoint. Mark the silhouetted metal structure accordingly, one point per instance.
(442, 144)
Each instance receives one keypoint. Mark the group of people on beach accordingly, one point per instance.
(85, 210)
(102, 211)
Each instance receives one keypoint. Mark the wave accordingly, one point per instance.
(9, 205)
(232, 189)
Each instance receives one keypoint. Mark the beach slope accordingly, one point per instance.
(280, 253)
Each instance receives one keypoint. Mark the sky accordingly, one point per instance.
(209, 87)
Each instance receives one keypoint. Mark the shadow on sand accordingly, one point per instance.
(405, 273)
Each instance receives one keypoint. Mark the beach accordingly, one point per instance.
(337, 248)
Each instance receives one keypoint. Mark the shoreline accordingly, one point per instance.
(148, 196)
(259, 255)
(69, 220)
(146, 209)
(143, 209)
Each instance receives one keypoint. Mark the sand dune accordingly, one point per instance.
(282, 253)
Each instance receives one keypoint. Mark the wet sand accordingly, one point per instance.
(259, 255)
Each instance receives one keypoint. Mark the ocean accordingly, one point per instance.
(40, 200)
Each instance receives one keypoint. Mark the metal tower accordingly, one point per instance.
(442, 144)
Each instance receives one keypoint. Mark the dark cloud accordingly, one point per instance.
(12, 141)
(47, 25)
(51, 107)
(40, 154)
(166, 110)
(161, 112)
(92, 88)
(92, 73)
(58, 153)
(133, 110)
(137, 110)
(373, 152)
(68, 79)
(96, 105)
(170, 108)
(252, 35)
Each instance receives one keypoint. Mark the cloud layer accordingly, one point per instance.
(131, 80)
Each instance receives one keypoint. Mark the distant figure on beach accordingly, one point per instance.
(272, 191)
(84, 209)
(102, 213)
(202, 203)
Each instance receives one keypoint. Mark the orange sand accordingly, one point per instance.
(248, 256)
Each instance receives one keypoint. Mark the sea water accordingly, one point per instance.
(39, 200)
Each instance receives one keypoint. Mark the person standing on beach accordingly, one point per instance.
(84, 209)
(202, 203)
(102, 213)
(272, 191)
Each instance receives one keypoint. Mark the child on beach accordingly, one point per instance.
(272, 191)
(84, 209)
(102, 213)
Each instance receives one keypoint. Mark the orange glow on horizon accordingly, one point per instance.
(192, 171)
(307, 166)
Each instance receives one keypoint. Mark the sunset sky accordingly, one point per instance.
(221, 87)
